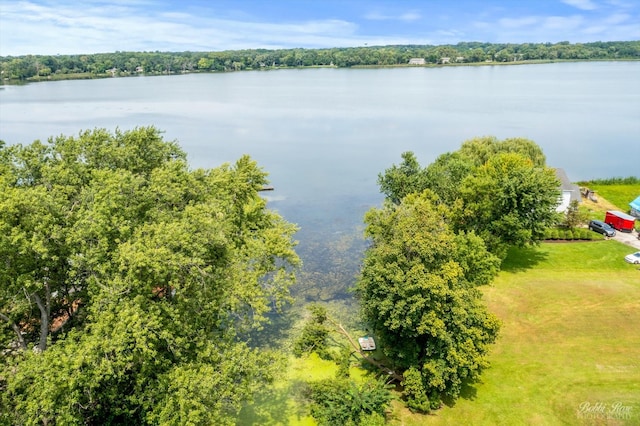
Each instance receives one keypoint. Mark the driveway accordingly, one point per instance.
(630, 239)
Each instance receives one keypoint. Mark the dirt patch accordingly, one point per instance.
(602, 205)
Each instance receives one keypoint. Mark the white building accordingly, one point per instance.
(569, 191)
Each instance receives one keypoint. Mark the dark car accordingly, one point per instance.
(602, 228)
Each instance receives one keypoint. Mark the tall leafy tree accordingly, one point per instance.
(502, 190)
(508, 201)
(480, 150)
(133, 276)
(398, 181)
(419, 292)
(445, 175)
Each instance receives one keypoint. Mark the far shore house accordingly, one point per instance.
(569, 191)
(416, 61)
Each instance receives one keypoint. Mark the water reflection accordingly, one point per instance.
(325, 134)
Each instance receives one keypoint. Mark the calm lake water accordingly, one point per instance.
(325, 134)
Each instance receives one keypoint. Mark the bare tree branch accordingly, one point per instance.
(340, 329)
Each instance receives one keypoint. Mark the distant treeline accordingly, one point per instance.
(631, 180)
(35, 67)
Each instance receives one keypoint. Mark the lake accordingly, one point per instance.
(325, 134)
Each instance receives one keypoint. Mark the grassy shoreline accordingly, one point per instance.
(569, 341)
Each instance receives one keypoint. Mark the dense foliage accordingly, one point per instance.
(315, 332)
(418, 291)
(342, 402)
(132, 276)
(441, 234)
(127, 63)
(502, 190)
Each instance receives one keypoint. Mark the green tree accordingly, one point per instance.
(445, 175)
(480, 150)
(414, 391)
(573, 217)
(398, 181)
(313, 337)
(205, 63)
(342, 402)
(418, 291)
(134, 275)
(508, 201)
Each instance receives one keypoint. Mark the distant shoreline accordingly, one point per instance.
(35, 68)
(123, 74)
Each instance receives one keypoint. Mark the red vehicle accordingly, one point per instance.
(620, 221)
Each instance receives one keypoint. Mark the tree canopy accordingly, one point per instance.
(502, 190)
(441, 234)
(509, 202)
(418, 291)
(399, 181)
(132, 276)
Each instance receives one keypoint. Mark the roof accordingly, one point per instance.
(567, 185)
(635, 204)
(621, 215)
(367, 343)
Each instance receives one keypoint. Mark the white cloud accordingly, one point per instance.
(519, 22)
(617, 18)
(565, 24)
(581, 4)
(409, 16)
(51, 27)
(29, 28)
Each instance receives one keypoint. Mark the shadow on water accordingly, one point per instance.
(272, 406)
(277, 330)
(521, 259)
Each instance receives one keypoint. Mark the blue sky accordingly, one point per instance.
(93, 26)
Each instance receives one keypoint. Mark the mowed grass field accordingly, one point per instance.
(618, 195)
(569, 348)
(568, 351)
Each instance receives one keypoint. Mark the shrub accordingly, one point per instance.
(415, 394)
(343, 402)
(314, 334)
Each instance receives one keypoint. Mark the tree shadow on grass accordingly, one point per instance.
(521, 259)
(468, 392)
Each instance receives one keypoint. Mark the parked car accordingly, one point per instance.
(633, 258)
(602, 228)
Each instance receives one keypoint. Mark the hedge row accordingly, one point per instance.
(571, 234)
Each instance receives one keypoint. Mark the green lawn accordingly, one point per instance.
(570, 336)
(618, 195)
